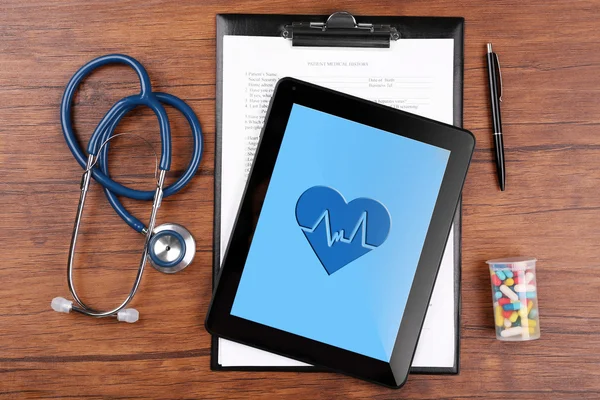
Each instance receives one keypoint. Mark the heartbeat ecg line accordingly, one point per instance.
(339, 236)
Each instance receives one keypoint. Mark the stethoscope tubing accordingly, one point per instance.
(108, 124)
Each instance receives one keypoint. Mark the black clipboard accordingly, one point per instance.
(338, 30)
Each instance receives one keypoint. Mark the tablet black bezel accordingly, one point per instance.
(460, 142)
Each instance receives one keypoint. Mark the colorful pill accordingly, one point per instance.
(514, 292)
(509, 293)
(529, 277)
(514, 331)
(512, 306)
(498, 316)
(524, 288)
(531, 322)
(496, 281)
(523, 312)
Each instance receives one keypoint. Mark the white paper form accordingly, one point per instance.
(415, 75)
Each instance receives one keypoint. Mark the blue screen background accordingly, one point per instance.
(359, 307)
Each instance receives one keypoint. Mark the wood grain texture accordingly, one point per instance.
(551, 69)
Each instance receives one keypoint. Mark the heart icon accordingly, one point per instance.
(340, 232)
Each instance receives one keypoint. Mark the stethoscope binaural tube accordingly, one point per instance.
(95, 165)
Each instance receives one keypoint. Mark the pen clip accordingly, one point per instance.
(499, 74)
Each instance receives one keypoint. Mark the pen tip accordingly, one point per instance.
(489, 48)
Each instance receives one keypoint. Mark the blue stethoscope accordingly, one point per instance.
(171, 247)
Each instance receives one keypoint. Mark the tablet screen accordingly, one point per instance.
(340, 233)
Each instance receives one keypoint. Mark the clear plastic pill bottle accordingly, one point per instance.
(514, 295)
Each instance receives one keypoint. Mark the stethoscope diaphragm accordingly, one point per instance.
(171, 248)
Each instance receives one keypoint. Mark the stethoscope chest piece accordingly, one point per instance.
(171, 248)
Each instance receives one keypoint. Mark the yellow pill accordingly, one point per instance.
(509, 282)
(531, 322)
(513, 317)
(523, 312)
(529, 306)
(531, 330)
(499, 317)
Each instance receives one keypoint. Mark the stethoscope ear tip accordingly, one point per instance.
(129, 315)
(60, 304)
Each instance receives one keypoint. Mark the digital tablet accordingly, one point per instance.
(341, 231)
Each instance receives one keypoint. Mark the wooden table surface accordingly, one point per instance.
(550, 56)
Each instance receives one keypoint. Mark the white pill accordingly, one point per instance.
(507, 323)
(517, 330)
(528, 277)
(508, 293)
(524, 288)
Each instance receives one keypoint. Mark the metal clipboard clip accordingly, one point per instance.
(340, 30)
